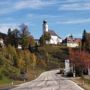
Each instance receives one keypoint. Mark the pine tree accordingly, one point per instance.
(84, 36)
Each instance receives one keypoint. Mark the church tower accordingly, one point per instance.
(45, 26)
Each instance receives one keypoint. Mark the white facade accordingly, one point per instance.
(55, 40)
(59, 40)
(19, 46)
(72, 45)
(72, 42)
(2, 42)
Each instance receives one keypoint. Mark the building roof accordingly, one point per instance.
(71, 40)
(53, 33)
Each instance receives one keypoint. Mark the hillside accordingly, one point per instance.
(54, 55)
(25, 65)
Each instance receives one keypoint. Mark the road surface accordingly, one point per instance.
(49, 81)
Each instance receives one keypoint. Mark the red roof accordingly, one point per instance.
(71, 40)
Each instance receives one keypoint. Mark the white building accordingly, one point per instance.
(1, 42)
(19, 47)
(55, 39)
(72, 42)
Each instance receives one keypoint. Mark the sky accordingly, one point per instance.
(65, 17)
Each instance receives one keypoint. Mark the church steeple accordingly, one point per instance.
(45, 26)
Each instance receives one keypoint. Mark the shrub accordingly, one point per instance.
(11, 72)
(69, 74)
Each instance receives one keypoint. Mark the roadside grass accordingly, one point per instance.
(5, 82)
(34, 73)
(87, 81)
(83, 82)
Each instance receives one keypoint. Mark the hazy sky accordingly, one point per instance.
(63, 16)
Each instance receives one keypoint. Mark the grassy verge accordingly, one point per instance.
(83, 82)
(7, 83)
(32, 74)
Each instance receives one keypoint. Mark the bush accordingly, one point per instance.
(69, 74)
(11, 72)
(60, 72)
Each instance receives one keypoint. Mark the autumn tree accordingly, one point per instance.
(80, 60)
(9, 66)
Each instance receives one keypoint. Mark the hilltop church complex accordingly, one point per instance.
(55, 39)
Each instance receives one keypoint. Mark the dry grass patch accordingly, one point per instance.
(83, 82)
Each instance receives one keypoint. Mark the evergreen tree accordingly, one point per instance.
(47, 36)
(44, 39)
(13, 37)
(9, 36)
(84, 36)
(16, 36)
(87, 42)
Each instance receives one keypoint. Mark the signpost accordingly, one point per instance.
(67, 67)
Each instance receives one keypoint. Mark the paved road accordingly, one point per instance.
(49, 81)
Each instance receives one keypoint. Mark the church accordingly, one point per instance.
(55, 39)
